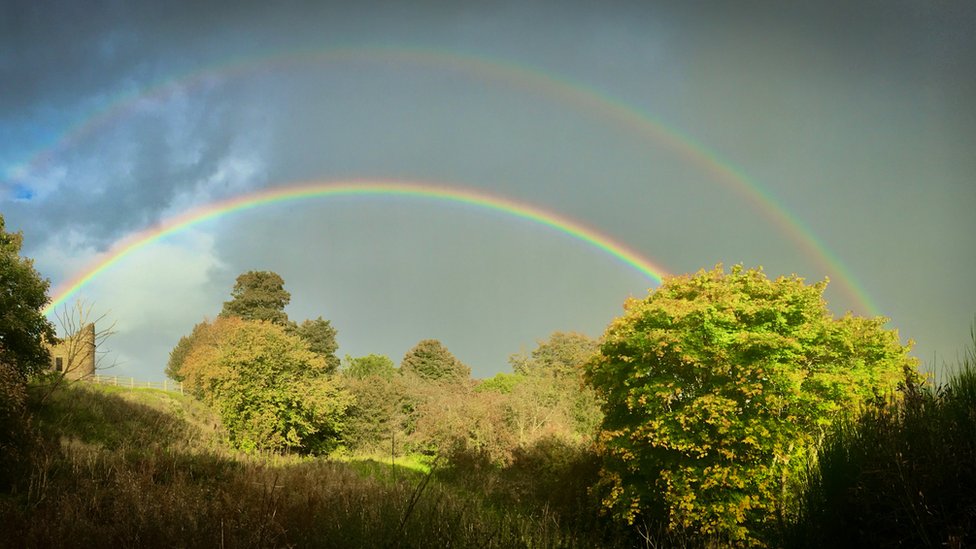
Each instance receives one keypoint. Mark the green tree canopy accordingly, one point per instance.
(258, 295)
(270, 391)
(23, 294)
(320, 337)
(716, 386)
(430, 360)
(562, 355)
(369, 365)
(500, 383)
(23, 332)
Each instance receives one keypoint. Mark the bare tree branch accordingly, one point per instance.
(77, 354)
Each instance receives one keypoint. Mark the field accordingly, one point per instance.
(121, 467)
(141, 467)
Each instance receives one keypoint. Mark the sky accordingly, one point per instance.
(830, 140)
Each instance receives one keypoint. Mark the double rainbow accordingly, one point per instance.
(532, 80)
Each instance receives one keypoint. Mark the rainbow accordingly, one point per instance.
(531, 79)
(321, 190)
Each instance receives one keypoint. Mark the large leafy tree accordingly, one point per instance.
(258, 295)
(430, 360)
(716, 386)
(320, 337)
(23, 294)
(270, 391)
(261, 295)
(23, 332)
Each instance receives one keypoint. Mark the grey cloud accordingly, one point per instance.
(121, 181)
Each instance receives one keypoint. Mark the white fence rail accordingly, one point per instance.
(132, 383)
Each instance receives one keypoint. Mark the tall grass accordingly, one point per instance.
(901, 475)
(137, 469)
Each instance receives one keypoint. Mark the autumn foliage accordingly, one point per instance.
(716, 386)
(270, 391)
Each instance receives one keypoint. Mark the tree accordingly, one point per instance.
(178, 355)
(23, 333)
(553, 398)
(258, 295)
(320, 337)
(502, 383)
(430, 360)
(270, 391)
(77, 354)
(79, 317)
(716, 386)
(472, 427)
(375, 420)
(369, 366)
(372, 419)
(23, 294)
(562, 355)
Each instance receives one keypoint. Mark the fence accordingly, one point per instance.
(118, 381)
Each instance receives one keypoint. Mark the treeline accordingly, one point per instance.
(277, 386)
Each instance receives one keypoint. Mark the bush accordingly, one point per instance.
(15, 429)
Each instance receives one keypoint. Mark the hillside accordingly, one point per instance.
(107, 419)
(141, 467)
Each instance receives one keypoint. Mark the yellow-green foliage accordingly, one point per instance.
(270, 390)
(715, 387)
(369, 365)
(502, 382)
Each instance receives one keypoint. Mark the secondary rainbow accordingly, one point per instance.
(321, 190)
(531, 79)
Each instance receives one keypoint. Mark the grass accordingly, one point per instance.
(410, 465)
(141, 468)
(903, 474)
(122, 467)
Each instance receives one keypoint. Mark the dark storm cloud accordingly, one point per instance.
(55, 52)
(120, 181)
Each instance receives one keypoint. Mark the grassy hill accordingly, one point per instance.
(141, 467)
(119, 467)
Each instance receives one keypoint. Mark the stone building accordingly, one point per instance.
(75, 356)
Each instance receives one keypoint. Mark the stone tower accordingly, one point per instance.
(75, 356)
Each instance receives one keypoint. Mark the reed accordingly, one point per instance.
(903, 473)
